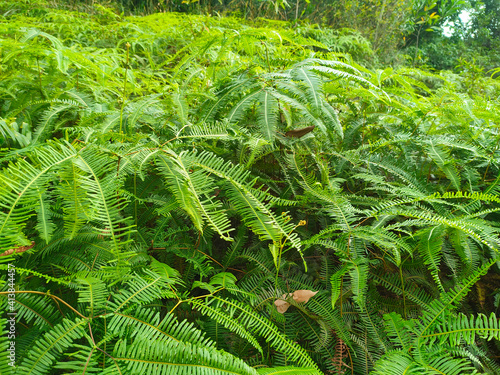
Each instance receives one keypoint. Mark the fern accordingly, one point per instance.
(287, 370)
(165, 179)
(48, 349)
(21, 186)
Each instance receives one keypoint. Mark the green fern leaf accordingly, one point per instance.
(191, 191)
(51, 346)
(45, 225)
(92, 292)
(288, 370)
(431, 243)
(228, 321)
(168, 358)
(20, 186)
(267, 116)
(265, 328)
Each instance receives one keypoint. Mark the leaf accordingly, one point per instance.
(298, 133)
(431, 243)
(50, 347)
(288, 370)
(300, 296)
(223, 279)
(193, 191)
(45, 225)
(268, 116)
(359, 277)
(203, 285)
(281, 304)
(165, 271)
(336, 281)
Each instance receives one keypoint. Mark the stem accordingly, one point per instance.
(105, 342)
(87, 362)
(135, 203)
(39, 75)
(277, 272)
(179, 301)
(267, 57)
(296, 12)
(124, 87)
(403, 289)
(340, 301)
(416, 46)
(48, 295)
(491, 155)
(96, 347)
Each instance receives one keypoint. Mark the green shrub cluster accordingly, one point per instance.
(168, 182)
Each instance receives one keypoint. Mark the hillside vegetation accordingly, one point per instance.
(190, 194)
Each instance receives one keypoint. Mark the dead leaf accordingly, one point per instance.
(303, 295)
(297, 133)
(20, 249)
(281, 304)
(299, 296)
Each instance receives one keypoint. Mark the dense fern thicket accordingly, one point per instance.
(446, 34)
(174, 187)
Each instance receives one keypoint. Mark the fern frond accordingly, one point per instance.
(267, 116)
(313, 84)
(142, 290)
(466, 328)
(168, 358)
(288, 370)
(227, 320)
(265, 328)
(449, 300)
(45, 225)
(399, 330)
(92, 292)
(146, 324)
(397, 363)
(51, 346)
(20, 186)
(249, 202)
(191, 190)
(101, 185)
(431, 243)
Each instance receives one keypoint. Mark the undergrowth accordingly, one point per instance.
(168, 181)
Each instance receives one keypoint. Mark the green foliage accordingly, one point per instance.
(166, 179)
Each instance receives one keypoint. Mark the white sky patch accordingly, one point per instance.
(464, 16)
(448, 27)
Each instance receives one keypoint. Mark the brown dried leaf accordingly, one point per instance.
(297, 133)
(303, 295)
(20, 249)
(281, 304)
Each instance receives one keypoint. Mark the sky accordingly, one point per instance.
(448, 27)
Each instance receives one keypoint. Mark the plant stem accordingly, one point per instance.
(48, 295)
(296, 12)
(39, 75)
(416, 46)
(124, 88)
